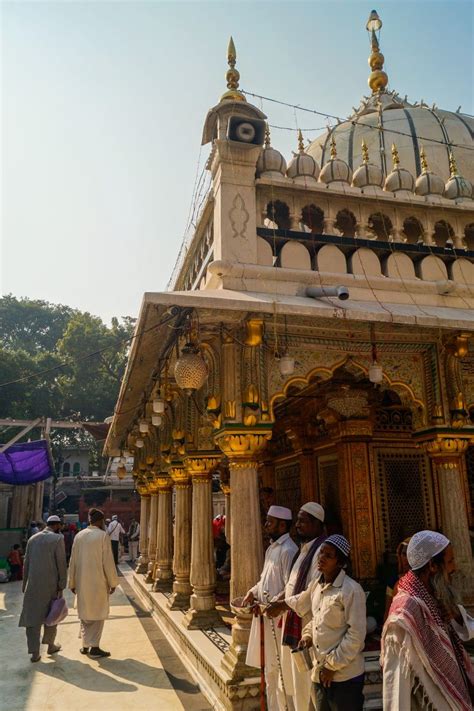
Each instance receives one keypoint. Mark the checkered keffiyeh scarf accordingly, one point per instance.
(451, 668)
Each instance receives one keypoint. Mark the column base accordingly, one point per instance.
(161, 585)
(149, 576)
(142, 565)
(179, 601)
(201, 619)
(233, 660)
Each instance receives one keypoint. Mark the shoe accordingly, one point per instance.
(98, 652)
(84, 650)
(35, 657)
(53, 648)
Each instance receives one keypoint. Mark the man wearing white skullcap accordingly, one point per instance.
(276, 570)
(336, 629)
(310, 530)
(424, 662)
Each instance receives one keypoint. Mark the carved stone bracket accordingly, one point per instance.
(242, 446)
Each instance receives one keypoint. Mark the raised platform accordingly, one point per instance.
(202, 651)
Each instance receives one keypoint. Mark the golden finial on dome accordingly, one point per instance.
(232, 76)
(365, 152)
(395, 157)
(424, 162)
(378, 79)
(453, 169)
(267, 135)
(333, 148)
(300, 141)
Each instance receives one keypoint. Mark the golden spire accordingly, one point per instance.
(232, 76)
(378, 79)
(365, 152)
(267, 135)
(424, 162)
(300, 141)
(453, 169)
(333, 148)
(395, 157)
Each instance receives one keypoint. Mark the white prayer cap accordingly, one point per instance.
(53, 519)
(314, 509)
(423, 546)
(280, 512)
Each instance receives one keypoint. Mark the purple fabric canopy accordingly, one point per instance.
(26, 463)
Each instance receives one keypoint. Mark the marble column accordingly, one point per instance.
(142, 565)
(202, 612)
(164, 543)
(152, 535)
(447, 456)
(182, 539)
(246, 535)
(225, 488)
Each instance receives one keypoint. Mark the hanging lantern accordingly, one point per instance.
(139, 443)
(158, 405)
(156, 420)
(286, 365)
(375, 373)
(190, 369)
(143, 427)
(121, 471)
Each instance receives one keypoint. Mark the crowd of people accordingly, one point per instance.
(310, 621)
(84, 560)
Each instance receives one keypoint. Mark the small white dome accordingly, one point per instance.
(399, 178)
(335, 170)
(457, 187)
(270, 161)
(429, 183)
(367, 174)
(302, 165)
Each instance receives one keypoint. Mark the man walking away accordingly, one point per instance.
(133, 537)
(44, 578)
(114, 530)
(424, 662)
(92, 578)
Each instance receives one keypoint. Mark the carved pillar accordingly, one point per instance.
(164, 542)
(182, 539)
(242, 448)
(142, 564)
(356, 496)
(202, 612)
(152, 534)
(447, 457)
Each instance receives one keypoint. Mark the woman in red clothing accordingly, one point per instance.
(15, 561)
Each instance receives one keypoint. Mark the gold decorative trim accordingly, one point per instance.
(242, 448)
(254, 332)
(442, 446)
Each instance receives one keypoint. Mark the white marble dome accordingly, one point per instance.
(458, 188)
(271, 162)
(335, 170)
(409, 127)
(428, 183)
(399, 179)
(302, 166)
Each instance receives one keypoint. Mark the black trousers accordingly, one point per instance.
(340, 696)
(115, 550)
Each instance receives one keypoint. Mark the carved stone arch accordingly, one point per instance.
(381, 226)
(442, 232)
(278, 213)
(413, 230)
(469, 236)
(346, 223)
(313, 217)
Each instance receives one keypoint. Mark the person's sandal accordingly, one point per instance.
(35, 657)
(98, 652)
(53, 648)
(84, 650)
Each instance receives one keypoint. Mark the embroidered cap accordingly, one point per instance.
(314, 509)
(423, 546)
(340, 542)
(280, 512)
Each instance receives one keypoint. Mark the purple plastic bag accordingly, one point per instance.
(57, 612)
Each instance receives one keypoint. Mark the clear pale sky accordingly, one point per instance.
(102, 107)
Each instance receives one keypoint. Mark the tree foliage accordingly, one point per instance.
(37, 336)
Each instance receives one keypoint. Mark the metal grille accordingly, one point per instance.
(288, 486)
(470, 476)
(329, 488)
(405, 497)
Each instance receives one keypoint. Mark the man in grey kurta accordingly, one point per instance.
(44, 578)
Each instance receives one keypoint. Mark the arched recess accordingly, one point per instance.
(278, 212)
(381, 226)
(469, 236)
(413, 230)
(313, 217)
(443, 233)
(294, 255)
(323, 374)
(346, 223)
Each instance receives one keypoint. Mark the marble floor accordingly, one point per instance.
(142, 674)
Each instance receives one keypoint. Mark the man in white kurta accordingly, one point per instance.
(276, 570)
(92, 578)
(310, 529)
